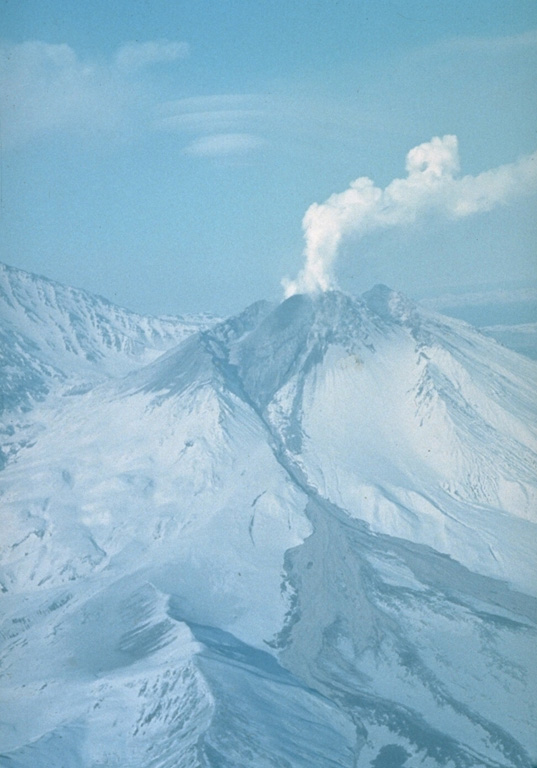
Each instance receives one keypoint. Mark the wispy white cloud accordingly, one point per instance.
(46, 88)
(223, 144)
(497, 44)
(219, 120)
(494, 296)
(432, 184)
(224, 123)
(219, 103)
(134, 56)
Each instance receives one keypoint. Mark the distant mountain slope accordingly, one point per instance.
(509, 316)
(52, 333)
(522, 338)
(303, 537)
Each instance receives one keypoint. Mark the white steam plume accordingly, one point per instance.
(432, 183)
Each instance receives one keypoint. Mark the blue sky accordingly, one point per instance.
(165, 154)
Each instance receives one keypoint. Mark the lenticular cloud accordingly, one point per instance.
(433, 182)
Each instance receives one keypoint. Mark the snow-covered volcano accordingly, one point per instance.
(304, 536)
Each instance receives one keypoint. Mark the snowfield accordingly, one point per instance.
(304, 536)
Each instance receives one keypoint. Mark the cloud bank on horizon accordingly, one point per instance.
(433, 184)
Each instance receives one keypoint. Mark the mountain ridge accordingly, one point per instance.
(53, 332)
(302, 536)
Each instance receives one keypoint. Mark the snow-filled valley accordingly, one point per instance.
(304, 536)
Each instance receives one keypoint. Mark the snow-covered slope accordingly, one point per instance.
(52, 334)
(418, 425)
(302, 537)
